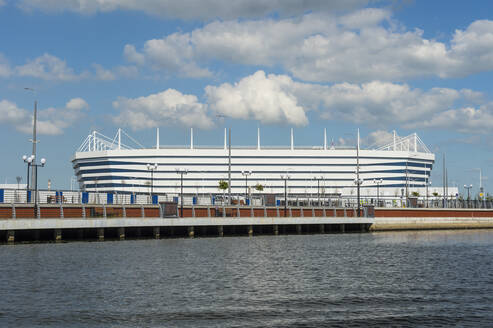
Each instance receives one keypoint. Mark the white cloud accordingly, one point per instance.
(51, 121)
(257, 97)
(48, 67)
(278, 99)
(196, 9)
(169, 107)
(2, 3)
(356, 47)
(51, 68)
(103, 74)
(466, 120)
(5, 70)
(377, 138)
(173, 54)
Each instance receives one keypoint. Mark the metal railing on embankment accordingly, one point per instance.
(22, 196)
(170, 210)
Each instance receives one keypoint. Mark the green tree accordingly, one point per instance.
(259, 187)
(415, 194)
(223, 185)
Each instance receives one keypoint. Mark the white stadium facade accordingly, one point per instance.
(105, 164)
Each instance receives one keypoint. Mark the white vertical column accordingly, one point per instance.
(394, 140)
(119, 138)
(93, 140)
(415, 142)
(225, 139)
(191, 138)
(292, 139)
(325, 139)
(258, 138)
(358, 139)
(157, 138)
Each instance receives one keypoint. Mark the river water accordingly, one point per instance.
(438, 278)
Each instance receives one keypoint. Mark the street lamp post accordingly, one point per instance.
(285, 178)
(246, 174)
(28, 161)
(358, 181)
(378, 182)
(181, 172)
(468, 193)
(428, 183)
(32, 161)
(34, 138)
(152, 168)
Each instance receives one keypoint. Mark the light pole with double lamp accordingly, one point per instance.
(378, 182)
(28, 161)
(32, 162)
(246, 174)
(152, 168)
(181, 172)
(285, 178)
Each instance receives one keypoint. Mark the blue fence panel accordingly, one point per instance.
(59, 196)
(132, 199)
(2, 193)
(194, 200)
(278, 202)
(154, 199)
(29, 196)
(213, 200)
(109, 198)
(85, 197)
(248, 201)
(175, 199)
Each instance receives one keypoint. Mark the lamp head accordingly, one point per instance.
(148, 166)
(43, 161)
(24, 158)
(155, 166)
(30, 160)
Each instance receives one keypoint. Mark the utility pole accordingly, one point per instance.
(444, 179)
(358, 181)
(229, 167)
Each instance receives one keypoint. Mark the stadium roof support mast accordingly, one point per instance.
(157, 138)
(325, 139)
(258, 138)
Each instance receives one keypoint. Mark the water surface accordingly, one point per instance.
(440, 278)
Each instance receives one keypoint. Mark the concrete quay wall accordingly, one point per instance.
(430, 223)
(58, 229)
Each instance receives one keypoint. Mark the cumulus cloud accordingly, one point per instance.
(257, 97)
(169, 107)
(51, 121)
(356, 47)
(51, 68)
(196, 9)
(465, 120)
(48, 67)
(378, 138)
(173, 54)
(278, 99)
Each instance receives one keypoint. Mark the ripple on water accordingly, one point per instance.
(420, 279)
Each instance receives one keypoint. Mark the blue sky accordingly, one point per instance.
(412, 66)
